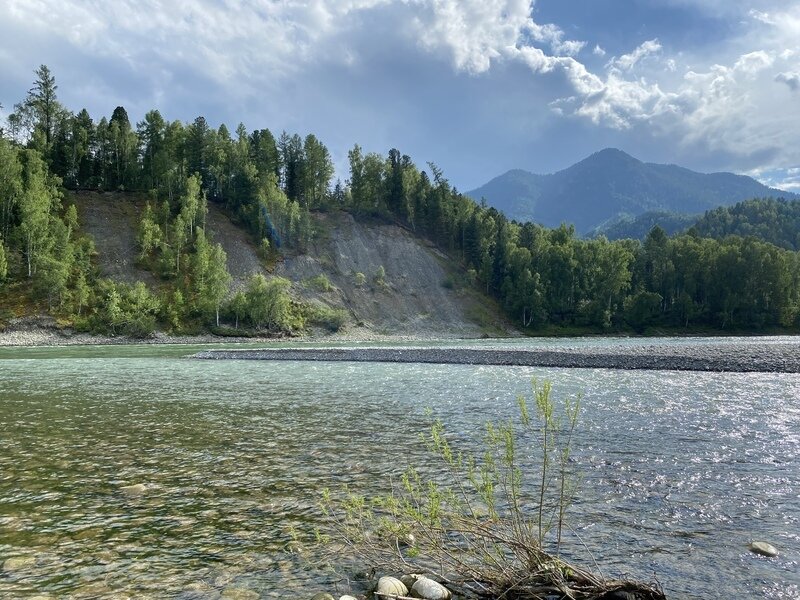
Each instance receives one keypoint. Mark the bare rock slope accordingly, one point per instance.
(414, 298)
(112, 221)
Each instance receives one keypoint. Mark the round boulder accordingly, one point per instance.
(390, 586)
(428, 589)
(763, 548)
(348, 598)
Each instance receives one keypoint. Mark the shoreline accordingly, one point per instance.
(42, 331)
(764, 358)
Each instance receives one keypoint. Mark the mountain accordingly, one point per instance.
(610, 185)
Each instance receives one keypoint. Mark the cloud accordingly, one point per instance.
(782, 179)
(792, 79)
(554, 37)
(728, 103)
(753, 62)
(227, 40)
(474, 32)
(627, 61)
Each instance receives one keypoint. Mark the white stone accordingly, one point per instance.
(390, 586)
(429, 590)
(763, 548)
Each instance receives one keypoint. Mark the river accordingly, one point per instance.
(680, 470)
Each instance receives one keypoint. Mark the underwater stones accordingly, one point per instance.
(428, 589)
(322, 596)
(763, 548)
(137, 489)
(390, 586)
(236, 593)
(18, 563)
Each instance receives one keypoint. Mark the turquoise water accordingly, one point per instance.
(680, 470)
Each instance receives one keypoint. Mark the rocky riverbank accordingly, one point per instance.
(45, 331)
(775, 357)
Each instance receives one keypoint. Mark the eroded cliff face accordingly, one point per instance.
(409, 298)
(413, 297)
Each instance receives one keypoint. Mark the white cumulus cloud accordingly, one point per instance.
(627, 61)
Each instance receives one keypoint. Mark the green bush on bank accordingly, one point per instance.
(488, 525)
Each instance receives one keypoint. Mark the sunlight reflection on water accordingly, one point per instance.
(680, 470)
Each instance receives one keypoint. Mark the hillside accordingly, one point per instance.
(774, 221)
(637, 228)
(415, 298)
(611, 184)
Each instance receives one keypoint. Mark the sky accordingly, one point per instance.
(476, 86)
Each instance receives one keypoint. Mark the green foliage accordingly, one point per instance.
(3, 261)
(177, 245)
(489, 524)
(332, 319)
(768, 219)
(642, 309)
(543, 279)
(637, 228)
(121, 309)
(380, 276)
(320, 283)
(360, 279)
(266, 305)
(264, 248)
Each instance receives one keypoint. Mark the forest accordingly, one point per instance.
(544, 279)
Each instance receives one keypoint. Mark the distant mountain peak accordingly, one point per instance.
(611, 183)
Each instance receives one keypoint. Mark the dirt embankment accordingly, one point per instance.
(113, 220)
(416, 297)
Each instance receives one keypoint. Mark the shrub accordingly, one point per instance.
(360, 279)
(477, 526)
(332, 319)
(267, 305)
(380, 276)
(118, 308)
(321, 283)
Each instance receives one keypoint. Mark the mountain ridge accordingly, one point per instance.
(610, 184)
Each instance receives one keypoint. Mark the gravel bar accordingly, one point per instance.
(750, 357)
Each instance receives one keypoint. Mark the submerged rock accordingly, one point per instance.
(322, 596)
(428, 589)
(390, 586)
(763, 548)
(137, 489)
(236, 593)
(17, 563)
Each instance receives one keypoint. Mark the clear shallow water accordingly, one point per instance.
(680, 470)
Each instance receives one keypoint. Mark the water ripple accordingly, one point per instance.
(680, 470)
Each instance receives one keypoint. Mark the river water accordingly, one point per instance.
(680, 470)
